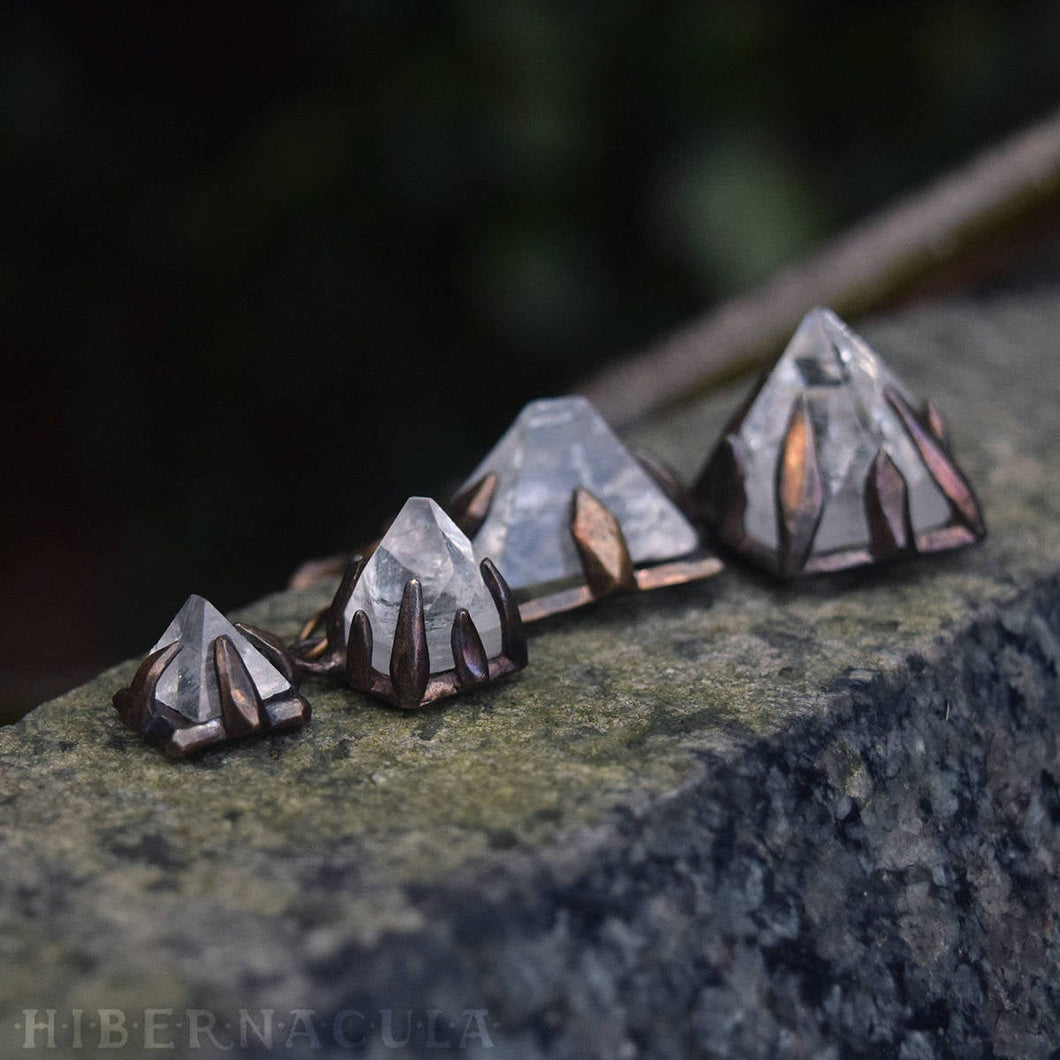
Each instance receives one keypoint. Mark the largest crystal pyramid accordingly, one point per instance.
(856, 416)
(555, 446)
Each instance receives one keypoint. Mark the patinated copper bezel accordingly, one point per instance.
(602, 547)
(410, 684)
(720, 494)
(242, 711)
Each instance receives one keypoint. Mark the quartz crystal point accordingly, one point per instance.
(555, 447)
(425, 544)
(188, 685)
(829, 466)
(206, 681)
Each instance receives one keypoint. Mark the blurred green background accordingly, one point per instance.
(268, 269)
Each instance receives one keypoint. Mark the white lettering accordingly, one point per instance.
(387, 1028)
(202, 1022)
(302, 1027)
(338, 1029)
(156, 1021)
(32, 1026)
(112, 1032)
(476, 1016)
(247, 1026)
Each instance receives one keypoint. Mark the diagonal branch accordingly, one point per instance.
(934, 233)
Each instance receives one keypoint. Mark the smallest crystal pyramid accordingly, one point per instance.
(829, 466)
(206, 681)
(189, 684)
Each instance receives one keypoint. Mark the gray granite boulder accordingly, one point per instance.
(731, 819)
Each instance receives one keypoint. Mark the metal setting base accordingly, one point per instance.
(607, 565)
(410, 684)
(242, 711)
(693, 567)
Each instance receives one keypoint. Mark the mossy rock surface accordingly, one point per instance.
(732, 818)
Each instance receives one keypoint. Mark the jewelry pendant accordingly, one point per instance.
(828, 466)
(418, 619)
(570, 515)
(207, 681)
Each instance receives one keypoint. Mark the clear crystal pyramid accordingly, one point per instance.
(189, 684)
(843, 386)
(554, 446)
(424, 543)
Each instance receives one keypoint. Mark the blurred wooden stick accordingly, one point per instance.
(925, 237)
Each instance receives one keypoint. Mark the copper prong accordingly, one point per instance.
(936, 422)
(948, 478)
(513, 638)
(410, 667)
(133, 703)
(335, 622)
(314, 623)
(800, 497)
(887, 508)
(325, 657)
(239, 700)
(601, 546)
(469, 656)
(359, 652)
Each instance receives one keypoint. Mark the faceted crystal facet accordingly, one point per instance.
(424, 543)
(843, 383)
(554, 446)
(189, 684)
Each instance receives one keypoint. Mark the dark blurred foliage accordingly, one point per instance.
(268, 269)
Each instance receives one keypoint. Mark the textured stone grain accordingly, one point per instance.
(731, 819)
